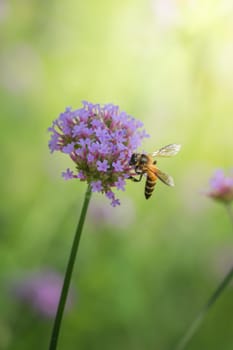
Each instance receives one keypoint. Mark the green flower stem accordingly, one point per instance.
(198, 320)
(68, 274)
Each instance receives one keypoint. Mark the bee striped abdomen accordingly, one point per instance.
(150, 184)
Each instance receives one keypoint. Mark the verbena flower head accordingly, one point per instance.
(100, 140)
(41, 292)
(221, 187)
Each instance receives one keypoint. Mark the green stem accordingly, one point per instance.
(198, 320)
(68, 274)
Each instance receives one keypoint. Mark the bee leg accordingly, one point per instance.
(136, 180)
(155, 162)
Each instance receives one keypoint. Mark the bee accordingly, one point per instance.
(145, 164)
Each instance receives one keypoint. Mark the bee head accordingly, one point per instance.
(134, 159)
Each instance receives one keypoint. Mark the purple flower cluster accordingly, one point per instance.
(41, 291)
(100, 140)
(221, 187)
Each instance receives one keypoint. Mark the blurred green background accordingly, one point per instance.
(145, 269)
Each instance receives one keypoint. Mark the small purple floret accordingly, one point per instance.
(100, 140)
(102, 166)
(68, 174)
(120, 184)
(96, 186)
(117, 165)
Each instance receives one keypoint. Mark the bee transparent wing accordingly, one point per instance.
(165, 178)
(167, 151)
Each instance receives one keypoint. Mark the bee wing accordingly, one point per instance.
(165, 178)
(167, 151)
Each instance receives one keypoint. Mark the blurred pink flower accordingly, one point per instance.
(221, 187)
(41, 291)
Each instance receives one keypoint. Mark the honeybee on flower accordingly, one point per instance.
(144, 164)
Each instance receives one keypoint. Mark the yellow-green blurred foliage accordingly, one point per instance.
(168, 63)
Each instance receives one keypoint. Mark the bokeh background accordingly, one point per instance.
(146, 268)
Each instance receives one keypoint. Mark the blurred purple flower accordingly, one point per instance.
(221, 187)
(41, 291)
(100, 140)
